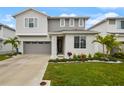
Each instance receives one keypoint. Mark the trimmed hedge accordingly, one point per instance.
(118, 55)
(63, 60)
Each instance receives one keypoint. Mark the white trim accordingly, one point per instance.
(79, 21)
(70, 22)
(80, 36)
(28, 22)
(64, 22)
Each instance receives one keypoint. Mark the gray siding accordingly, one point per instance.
(54, 25)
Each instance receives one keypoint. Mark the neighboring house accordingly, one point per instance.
(5, 33)
(110, 25)
(56, 36)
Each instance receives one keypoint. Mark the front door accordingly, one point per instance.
(59, 45)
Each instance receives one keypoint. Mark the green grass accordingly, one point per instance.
(3, 57)
(85, 74)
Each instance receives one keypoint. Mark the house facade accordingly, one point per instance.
(110, 25)
(54, 36)
(5, 33)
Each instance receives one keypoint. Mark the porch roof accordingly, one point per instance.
(117, 33)
(73, 32)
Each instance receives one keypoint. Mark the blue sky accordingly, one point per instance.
(95, 13)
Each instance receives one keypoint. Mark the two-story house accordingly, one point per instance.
(5, 33)
(110, 25)
(43, 34)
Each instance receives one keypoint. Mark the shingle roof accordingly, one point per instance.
(102, 21)
(74, 32)
(57, 17)
(50, 17)
(7, 26)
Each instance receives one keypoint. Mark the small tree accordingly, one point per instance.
(14, 43)
(101, 40)
(111, 42)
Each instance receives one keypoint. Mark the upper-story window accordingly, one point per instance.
(79, 42)
(31, 22)
(62, 22)
(122, 24)
(71, 22)
(111, 21)
(81, 22)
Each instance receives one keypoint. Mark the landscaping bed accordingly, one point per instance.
(85, 74)
(97, 57)
(3, 57)
(7, 56)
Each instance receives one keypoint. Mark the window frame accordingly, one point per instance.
(121, 24)
(110, 23)
(34, 19)
(79, 21)
(61, 22)
(79, 46)
(72, 21)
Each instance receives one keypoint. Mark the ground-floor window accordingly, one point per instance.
(79, 41)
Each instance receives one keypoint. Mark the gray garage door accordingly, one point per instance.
(37, 47)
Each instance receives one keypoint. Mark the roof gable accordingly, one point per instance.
(29, 10)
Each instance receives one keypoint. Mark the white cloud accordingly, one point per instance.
(8, 20)
(68, 15)
(100, 17)
(44, 12)
(111, 14)
(11, 25)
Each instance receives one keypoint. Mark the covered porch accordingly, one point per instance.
(57, 46)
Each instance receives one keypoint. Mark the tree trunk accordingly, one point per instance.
(103, 49)
(12, 50)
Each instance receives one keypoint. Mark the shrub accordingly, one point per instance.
(19, 53)
(89, 56)
(53, 60)
(118, 55)
(112, 58)
(74, 56)
(82, 57)
(69, 54)
(99, 55)
(78, 56)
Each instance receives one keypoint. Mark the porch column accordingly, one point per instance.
(53, 47)
(21, 49)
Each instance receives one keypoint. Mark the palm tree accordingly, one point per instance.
(14, 42)
(101, 40)
(111, 43)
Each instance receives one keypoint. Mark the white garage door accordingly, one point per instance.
(37, 47)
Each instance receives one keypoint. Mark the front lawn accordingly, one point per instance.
(3, 57)
(85, 74)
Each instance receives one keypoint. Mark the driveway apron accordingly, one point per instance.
(24, 70)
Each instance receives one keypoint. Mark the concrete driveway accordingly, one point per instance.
(23, 70)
